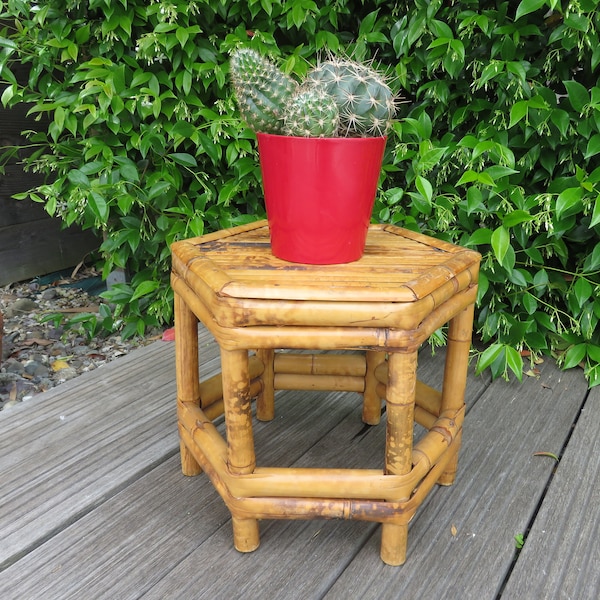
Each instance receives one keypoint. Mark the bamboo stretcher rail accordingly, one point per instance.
(380, 511)
(231, 312)
(333, 383)
(353, 365)
(316, 482)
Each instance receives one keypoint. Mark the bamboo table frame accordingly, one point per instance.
(387, 304)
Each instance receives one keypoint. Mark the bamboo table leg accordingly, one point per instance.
(455, 375)
(241, 459)
(371, 402)
(265, 402)
(186, 365)
(400, 402)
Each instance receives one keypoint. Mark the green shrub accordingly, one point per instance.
(501, 153)
(498, 148)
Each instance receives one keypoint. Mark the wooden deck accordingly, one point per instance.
(93, 504)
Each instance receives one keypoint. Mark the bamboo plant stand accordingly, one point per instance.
(386, 304)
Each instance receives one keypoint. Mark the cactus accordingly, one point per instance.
(311, 113)
(272, 102)
(263, 91)
(365, 102)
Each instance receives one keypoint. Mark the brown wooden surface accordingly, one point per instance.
(31, 242)
(93, 504)
(39, 247)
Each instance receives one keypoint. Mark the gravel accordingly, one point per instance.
(37, 356)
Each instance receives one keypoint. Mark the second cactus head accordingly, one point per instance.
(311, 113)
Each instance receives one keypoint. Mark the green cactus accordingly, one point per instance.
(262, 90)
(365, 102)
(311, 113)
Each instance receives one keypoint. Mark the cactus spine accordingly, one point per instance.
(365, 102)
(311, 113)
(263, 91)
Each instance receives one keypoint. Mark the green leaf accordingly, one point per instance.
(431, 157)
(489, 356)
(568, 200)
(468, 177)
(593, 351)
(99, 207)
(184, 129)
(480, 236)
(517, 276)
(267, 6)
(577, 22)
(514, 361)
(482, 287)
(500, 243)
(529, 303)
(78, 178)
(583, 290)
(498, 171)
(7, 94)
(158, 189)
(593, 146)
(592, 261)
(561, 119)
(368, 23)
(210, 147)
(425, 188)
(516, 218)
(579, 97)
(486, 179)
(491, 71)
(517, 68)
(528, 6)
(144, 288)
(184, 159)
(574, 356)
(518, 112)
(595, 60)
(182, 35)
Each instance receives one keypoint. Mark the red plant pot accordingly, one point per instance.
(319, 195)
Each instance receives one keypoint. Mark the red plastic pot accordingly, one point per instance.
(319, 195)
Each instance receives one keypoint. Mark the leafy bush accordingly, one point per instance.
(501, 153)
(497, 149)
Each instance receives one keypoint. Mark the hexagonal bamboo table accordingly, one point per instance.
(385, 305)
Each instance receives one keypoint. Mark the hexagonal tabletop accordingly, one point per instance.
(401, 272)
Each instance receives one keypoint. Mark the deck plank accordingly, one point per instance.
(163, 516)
(322, 548)
(102, 510)
(461, 544)
(82, 442)
(561, 556)
(140, 528)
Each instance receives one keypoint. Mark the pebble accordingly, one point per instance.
(38, 355)
(21, 306)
